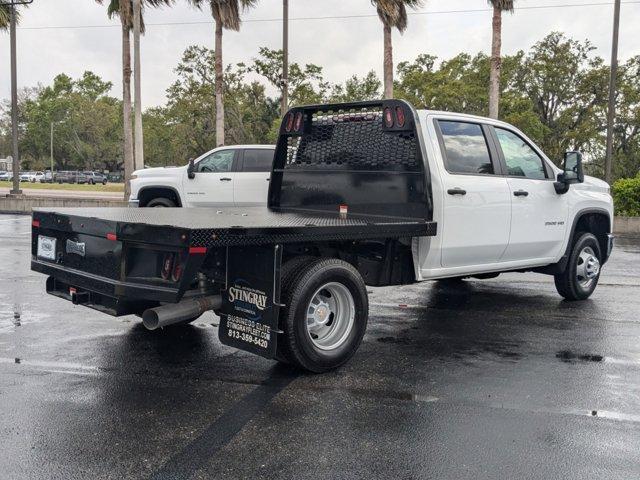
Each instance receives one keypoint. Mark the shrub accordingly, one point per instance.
(626, 197)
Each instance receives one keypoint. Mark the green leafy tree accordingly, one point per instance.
(392, 14)
(357, 89)
(226, 15)
(185, 127)
(123, 10)
(87, 125)
(306, 83)
(566, 86)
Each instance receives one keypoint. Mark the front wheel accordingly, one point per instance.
(324, 317)
(161, 202)
(581, 276)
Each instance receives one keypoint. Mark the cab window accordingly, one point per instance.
(520, 158)
(466, 148)
(257, 160)
(221, 161)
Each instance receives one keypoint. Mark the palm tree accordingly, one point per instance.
(226, 15)
(124, 11)
(499, 6)
(392, 13)
(5, 16)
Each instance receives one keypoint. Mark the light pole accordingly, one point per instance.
(14, 107)
(284, 81)
(612, 92)
(14, 94)
(138, 153)
(51, 148)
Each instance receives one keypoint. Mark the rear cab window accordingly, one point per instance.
(257, 160)
(465, 148)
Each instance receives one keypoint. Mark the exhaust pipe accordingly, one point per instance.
(173, 313)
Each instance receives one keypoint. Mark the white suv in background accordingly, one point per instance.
(234, 175)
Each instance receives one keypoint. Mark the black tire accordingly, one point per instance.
(288, 272)
(161, 202)
(296, 344)
(567, 282)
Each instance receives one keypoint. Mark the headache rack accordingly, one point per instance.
(364, 156)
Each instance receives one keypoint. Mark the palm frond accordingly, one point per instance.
(504, 5)
(5, 16)
(123, 9)
(393, 13)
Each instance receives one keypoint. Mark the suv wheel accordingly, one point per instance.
(581, 276)
(161, 202)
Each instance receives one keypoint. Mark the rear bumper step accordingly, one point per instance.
(95, 300)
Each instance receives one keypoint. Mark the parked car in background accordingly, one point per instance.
(66, 176)
(31, 176)
(233, 175)
(47, 177)
(92, 178)
(36, 177)
(6, 176)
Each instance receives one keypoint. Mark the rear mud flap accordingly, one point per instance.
(251, 300)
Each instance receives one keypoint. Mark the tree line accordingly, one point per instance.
(227, 15)
(556, 92)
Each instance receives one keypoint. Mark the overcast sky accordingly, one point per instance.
(72, 36)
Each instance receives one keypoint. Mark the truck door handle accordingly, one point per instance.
(225, 179)
(521, 193)
(456, 191)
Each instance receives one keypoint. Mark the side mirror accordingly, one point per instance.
(191, 170)
(573, 168)
(572, 172)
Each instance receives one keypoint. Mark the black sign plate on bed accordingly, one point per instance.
(250, 303)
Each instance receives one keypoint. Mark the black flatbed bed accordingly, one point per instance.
(232, 226)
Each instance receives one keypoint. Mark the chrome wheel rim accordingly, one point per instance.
(588, 268)
(330, 316)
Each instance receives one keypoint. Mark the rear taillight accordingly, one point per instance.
(388, 117)
(400, 116)
(178, 267)
(167, 266)
(288, 122)
(298, 123)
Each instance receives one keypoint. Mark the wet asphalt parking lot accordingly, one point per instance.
(490, 379)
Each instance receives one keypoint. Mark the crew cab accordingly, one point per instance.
(225, 176)
(370, 193)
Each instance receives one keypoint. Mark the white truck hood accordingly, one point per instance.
(595, 184)
(159, 172)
